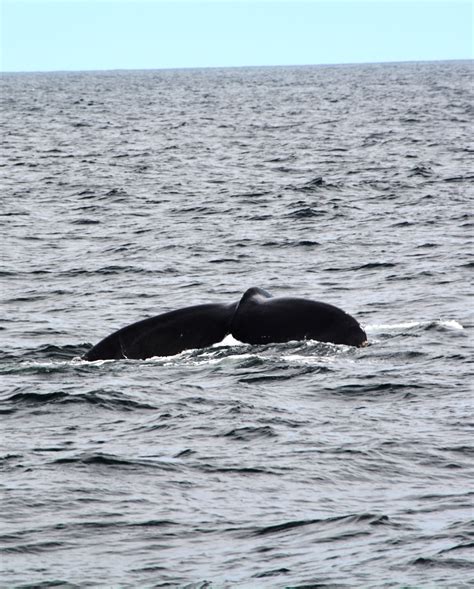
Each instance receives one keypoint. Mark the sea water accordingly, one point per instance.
(303, 465)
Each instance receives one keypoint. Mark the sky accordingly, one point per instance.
(50, 35)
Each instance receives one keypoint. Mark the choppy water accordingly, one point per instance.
(128, 194)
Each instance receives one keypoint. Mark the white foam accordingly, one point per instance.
(305, 360)
(452, 324)
(229, 340)
(375, 327)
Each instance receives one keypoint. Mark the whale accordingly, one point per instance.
(257, 318)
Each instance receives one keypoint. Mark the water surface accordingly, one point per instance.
(128, 194)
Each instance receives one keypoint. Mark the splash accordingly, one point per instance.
(447, 324)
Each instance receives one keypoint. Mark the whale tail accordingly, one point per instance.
(258, 318)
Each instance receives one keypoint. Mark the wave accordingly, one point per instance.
(391, 388)
(362, 518)
(245, 434)
(106, 399)
(445, 563)
(55, 584)
(53, 351)
(110, 460)
(450, 324)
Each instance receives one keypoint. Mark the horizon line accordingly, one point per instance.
(222, 67)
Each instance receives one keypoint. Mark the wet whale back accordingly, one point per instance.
(261, 318)
(198, 326)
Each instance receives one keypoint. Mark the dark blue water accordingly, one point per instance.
(128, 194)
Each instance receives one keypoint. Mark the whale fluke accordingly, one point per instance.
(258, 318)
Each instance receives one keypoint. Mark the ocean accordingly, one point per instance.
(300, 465)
